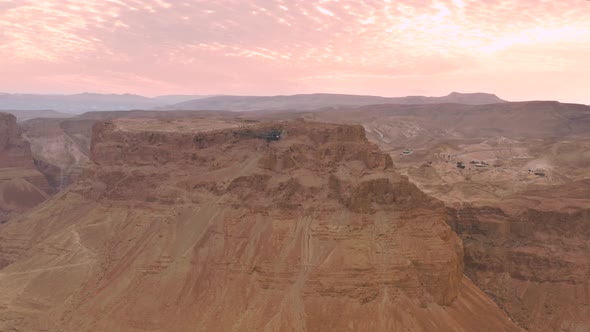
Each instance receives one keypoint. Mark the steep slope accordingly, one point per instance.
(21, 185)
(304, 102)
(60, 147)
(218, 225)
(534, 262)
(530, 251)
(525, 235)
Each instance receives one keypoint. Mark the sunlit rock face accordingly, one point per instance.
(21, 185)
(180, 225)
(535, 263)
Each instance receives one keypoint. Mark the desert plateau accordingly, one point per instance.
(282, 220)
(305, 166)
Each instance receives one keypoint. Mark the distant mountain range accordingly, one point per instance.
(24, 115)
(86, 102)
(175, 99)
(306, 102)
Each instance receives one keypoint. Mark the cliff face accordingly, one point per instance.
(21, 185)
(228, 226)
(14, 151)
(60, 148)
(534, 263)
(525, 234)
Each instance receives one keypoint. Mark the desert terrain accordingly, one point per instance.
(417, 217)
(273, 165)
(515, 178)
(232, 227)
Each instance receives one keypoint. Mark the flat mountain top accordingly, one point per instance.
(261, 226)
(195, 125)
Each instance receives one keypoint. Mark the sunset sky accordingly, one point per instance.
(520, 50)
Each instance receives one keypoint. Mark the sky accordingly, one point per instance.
(517, 49)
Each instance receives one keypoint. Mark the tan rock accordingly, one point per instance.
(176, 227)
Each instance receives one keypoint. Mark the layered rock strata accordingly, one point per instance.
(223, 226)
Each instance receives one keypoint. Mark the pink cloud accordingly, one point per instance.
(268, 47)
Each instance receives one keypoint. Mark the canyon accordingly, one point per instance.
(352, 218)
(22, 186)
(231, 230)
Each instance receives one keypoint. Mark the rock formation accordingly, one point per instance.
(21, 185)
(535, 263)
(15, 152)
(209, 225)
(60, 148)
(525, 235)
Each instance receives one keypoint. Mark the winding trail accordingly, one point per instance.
(87, 261)
(2, 274)
(474, 151)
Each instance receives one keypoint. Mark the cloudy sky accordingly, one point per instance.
(518, 49)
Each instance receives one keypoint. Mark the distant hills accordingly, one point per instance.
(175, 99)
(24, 115)
(86, 102)
(306, 102)
(78, 103)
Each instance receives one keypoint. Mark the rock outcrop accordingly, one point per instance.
(60, 148)
(21, 185)
(523, 215)
(535, 264)
(14, 151)
(220, 226)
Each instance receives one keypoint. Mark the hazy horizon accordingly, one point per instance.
(525, 50)
(233, 95)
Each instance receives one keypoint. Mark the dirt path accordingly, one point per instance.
(475, 151)
(2, 274)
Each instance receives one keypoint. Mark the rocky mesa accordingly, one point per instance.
(223, 225)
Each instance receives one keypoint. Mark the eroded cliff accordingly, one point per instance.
(60, 148)
(21, 185)
(534, 263)
(228, 226)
